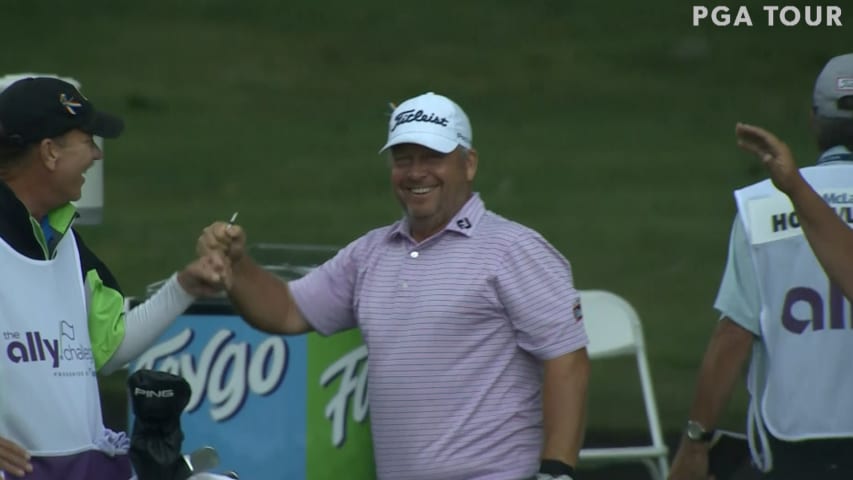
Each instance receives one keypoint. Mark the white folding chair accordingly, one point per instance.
(614, 329)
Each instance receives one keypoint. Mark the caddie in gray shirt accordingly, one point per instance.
(778, 304)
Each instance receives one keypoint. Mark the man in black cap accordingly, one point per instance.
(62, 314)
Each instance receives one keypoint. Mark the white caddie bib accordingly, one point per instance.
(49, 401)
(806, 323)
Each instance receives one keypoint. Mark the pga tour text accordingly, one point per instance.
(770, 15)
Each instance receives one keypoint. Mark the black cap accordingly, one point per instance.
(32, 109)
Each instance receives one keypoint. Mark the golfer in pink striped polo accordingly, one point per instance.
(476, 360)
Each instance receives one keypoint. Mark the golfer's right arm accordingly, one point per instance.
(260, 297)
(830, 238)
(264, 300)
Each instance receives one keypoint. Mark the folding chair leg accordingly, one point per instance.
(663, 465)
(654, 471)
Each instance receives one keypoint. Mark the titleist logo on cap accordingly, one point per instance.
(408, 116)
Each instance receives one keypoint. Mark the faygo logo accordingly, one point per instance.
(224, 371)
(32, 346)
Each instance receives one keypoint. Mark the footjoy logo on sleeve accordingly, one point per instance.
(769, 15)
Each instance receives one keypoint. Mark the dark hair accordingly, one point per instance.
(12, 155)
(832, 132)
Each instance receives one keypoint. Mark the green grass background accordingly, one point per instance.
(606, 126)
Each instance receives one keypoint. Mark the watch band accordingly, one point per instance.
(696, 431)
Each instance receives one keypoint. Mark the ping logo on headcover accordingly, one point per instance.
(141, 392)
(69, 103)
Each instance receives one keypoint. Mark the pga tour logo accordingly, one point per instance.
(772, 15)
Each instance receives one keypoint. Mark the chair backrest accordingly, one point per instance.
(611, 323)
(614, 329)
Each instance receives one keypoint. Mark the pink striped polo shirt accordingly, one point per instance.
(455, 328)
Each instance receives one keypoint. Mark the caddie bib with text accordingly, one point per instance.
(806, 323)
(49, 401)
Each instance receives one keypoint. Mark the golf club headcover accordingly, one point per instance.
(158, 399)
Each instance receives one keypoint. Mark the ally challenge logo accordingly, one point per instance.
(60, 350)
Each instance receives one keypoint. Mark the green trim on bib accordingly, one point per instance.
(106, 318)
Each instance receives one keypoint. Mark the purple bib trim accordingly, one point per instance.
(92, 464)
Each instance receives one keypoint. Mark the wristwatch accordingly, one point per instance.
(696, 432)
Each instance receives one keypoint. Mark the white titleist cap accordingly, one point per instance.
(431, 120)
